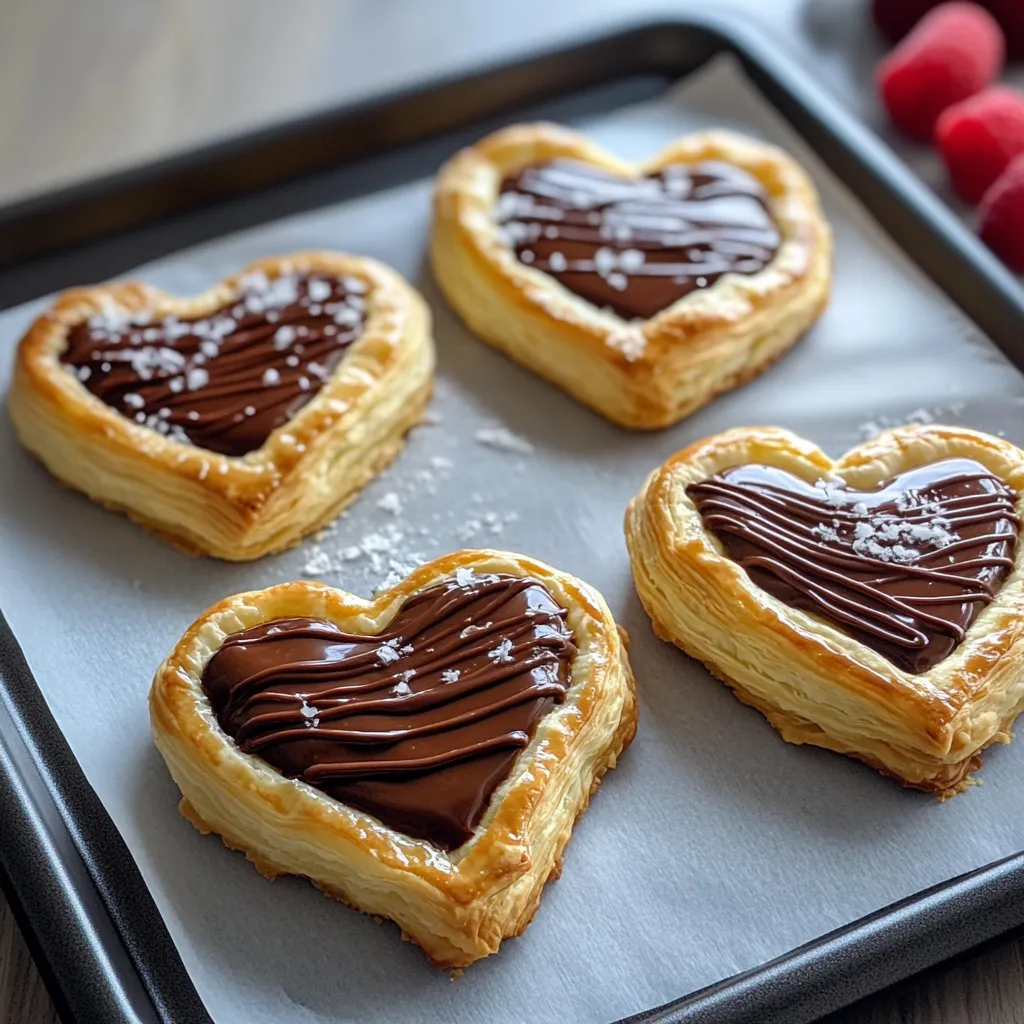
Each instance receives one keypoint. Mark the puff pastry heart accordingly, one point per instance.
(236, 422)
(422, 756)
(872, 605)
(642, 290)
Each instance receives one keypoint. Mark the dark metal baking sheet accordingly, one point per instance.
(107, 955)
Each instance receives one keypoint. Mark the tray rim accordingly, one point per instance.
(824, 975)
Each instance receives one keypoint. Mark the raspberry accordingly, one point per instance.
(895, 18)
(979, 137)
(1001, 216)
(954, 52)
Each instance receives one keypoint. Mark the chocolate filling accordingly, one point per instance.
(224, 381)
(904, 569)
(636, 245)
(418, 725)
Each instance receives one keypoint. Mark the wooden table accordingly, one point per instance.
(85, 88)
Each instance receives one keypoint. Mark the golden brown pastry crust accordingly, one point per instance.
(458, 906)
(813, 682)
(232, 508)
(639, 375)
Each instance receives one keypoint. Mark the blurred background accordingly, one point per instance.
(89, 87)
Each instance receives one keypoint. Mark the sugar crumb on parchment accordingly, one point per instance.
(391, 503)
(921, 416)
(404, 537)
(504, 440)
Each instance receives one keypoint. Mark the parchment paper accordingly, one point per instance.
(714, 846)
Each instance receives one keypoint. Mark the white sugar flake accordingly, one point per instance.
(888, 538)
(917, 417)
(832, 491)
(196, 378)
(309, 713)
(829, 534)
(504, 440)
(465, 577)
(501, 653)
(318, 564)
(391, 503)
(891, 539)
(284, 337)
(387, 652)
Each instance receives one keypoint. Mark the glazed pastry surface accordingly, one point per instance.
(224, 381)
(237, 422)
(456, 848)
(638, 245)
(417, 725)
(905, 568)
(643, 290)
(872, 605)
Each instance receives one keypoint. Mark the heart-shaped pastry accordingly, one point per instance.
(872, 605)
(422, 756)
(642, 290)
(237, 422)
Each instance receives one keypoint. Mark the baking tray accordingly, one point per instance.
(79, 895)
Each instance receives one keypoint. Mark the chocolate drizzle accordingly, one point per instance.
(904, 569)
(636, 245)
(225, 381)
(416, 726)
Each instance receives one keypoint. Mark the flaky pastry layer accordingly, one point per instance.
(236, 508)
(457, 905)
(639, 375)
(813, 682)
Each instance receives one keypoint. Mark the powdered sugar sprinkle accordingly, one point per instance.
(504, 440)
(501, 653)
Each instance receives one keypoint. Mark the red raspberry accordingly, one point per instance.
(895, 18)
(1001, 216)
(954, 52)
(979, 137)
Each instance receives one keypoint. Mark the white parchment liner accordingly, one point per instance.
(714, 846)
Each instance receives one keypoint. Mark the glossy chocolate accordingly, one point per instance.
(224, 381)
(904, 569)
(416, 726)
(636, 245)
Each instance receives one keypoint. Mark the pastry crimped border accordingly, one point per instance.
(236, 508)
(639, 375)
(813, 682)
(456, 905)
